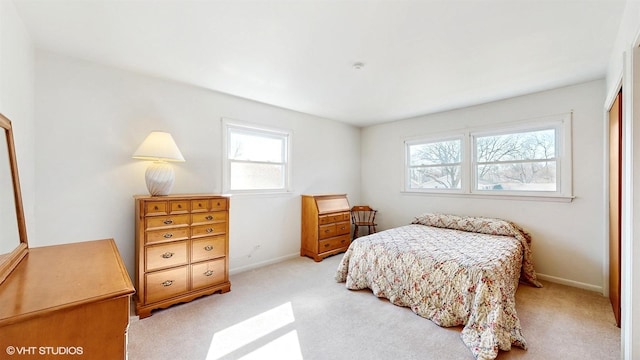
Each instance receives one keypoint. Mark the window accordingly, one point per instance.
(531, 158)
(516, 161)
(256, 159)
(434, 164)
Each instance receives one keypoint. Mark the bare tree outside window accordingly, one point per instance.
(524, 161)
(435, 165)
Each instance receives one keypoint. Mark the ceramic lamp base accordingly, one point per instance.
(159, 177)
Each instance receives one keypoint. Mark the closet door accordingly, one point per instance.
(615, 209)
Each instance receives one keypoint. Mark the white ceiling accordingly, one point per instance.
(419, 56)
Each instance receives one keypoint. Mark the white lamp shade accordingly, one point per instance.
(158, 145)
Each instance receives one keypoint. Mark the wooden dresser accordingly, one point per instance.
(66, 301)
(182, 249)
(326, 225)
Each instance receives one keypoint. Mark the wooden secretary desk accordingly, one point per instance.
(66, 301)
(326, 225)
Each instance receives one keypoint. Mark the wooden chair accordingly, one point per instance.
(363, 216)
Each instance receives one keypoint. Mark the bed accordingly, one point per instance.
(452, 270)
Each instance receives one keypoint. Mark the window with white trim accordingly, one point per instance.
(516, 161)
(255, 158)
(434, 164)
(531, 158)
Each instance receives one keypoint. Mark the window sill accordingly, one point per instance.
(259, 193)
(548, 198)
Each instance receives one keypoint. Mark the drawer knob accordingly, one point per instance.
(167, 235)
(167, 255)
(208, 247)
(168, 222)
(167, 283)
(209, 217)
(209, 230)
(326, 245)
(179, 206)
(208, 273)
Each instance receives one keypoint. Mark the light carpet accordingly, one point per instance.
(296, 310)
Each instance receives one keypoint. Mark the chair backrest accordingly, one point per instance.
(363, 214)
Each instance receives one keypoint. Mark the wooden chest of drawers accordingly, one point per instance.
(326, 225)
(73, 297)
(182, 248)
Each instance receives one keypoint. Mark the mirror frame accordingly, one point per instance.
(9, 261)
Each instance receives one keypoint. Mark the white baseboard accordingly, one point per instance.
(262, 263)
(567, 282)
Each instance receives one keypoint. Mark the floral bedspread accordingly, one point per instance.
(467, 275)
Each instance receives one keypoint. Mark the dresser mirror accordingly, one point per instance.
(13, 233)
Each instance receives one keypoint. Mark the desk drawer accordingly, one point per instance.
(327, 231)
(152, 208)
(208, 230)
(334, 243)
(166, 284)
(156, 222)
(209, 217)
(218, 204)
(208, 248)
(331, 230)
(207, 273)
(172, 234)
(179, 206)
(343, 228)
(166, 255)
(200, 205)
(332, 218)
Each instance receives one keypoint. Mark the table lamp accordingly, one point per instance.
(160, 148)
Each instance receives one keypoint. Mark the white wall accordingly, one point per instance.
(560, 231)
(627, 33)
(90, 120)
(17, 100)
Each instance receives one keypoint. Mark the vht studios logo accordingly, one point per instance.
(44, 350)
